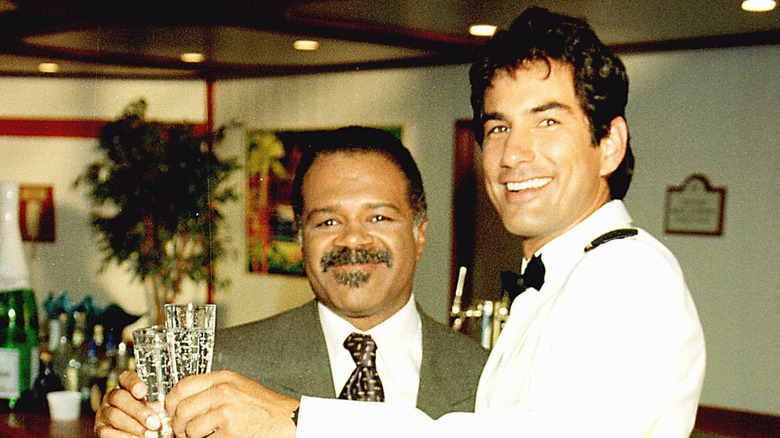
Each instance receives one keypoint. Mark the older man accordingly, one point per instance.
(360, 212)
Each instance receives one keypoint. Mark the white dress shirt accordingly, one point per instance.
(397, 359)
(611, 346)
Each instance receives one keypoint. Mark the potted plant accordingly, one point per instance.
(156, 193)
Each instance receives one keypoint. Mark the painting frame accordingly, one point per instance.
(36, 213)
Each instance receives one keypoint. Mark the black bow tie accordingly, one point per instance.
(533, 276)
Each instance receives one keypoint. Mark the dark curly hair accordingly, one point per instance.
(354, 140)
(600, 79)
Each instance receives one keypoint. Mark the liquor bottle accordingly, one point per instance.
(111, 359)
(98, 346)
(131, 365)
(75, 371)
(98, 369)
(118, 356)
(46, 382)
(19, 356)
(54, 332)
(59, 346)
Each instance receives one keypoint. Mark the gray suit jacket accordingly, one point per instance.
(287, 353)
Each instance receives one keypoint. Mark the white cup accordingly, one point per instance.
(64, 405)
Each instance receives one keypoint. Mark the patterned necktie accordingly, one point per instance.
(364, 383)
(533, 276)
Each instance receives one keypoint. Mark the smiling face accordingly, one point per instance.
(360, 244)
(542, 172)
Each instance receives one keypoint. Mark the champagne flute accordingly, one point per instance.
(190, 331)
(153, 365)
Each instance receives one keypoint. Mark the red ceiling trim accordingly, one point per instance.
(51, 128)
(78, 128)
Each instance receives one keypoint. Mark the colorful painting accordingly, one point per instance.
(271, 160)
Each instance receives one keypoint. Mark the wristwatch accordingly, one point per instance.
(294, 416)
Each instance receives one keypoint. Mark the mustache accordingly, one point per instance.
(353, 279)
(355, 256)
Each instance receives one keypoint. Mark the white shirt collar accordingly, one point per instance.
(399, 350)
(570, 245)
(392, 329)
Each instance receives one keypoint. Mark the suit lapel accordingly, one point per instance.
(441, 389)
(305, 357)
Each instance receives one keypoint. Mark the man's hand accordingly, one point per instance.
(123, 413)
(227, 404)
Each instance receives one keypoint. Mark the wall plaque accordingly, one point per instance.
(694, 207)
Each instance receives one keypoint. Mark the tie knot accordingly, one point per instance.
(533, 276)
(364, 382)
(362, 348)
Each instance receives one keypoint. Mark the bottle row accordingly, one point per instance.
(78, 355)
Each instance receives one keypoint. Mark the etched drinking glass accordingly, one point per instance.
(190, 330)
(153, 365)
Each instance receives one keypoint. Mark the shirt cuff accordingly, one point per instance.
(320, 417)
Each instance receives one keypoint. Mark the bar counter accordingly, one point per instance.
(25, 425)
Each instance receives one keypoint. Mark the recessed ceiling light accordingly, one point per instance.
(192, 57)
(758, 5)
(48, 67)
(482, 30)
(306, 45)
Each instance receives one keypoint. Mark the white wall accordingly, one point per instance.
(712, 111)
(71, 263)
(717, 112)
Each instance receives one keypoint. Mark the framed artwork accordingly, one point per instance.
(271, 159)
(36, 213)
(694, 207)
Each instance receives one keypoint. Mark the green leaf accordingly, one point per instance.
(156, 186)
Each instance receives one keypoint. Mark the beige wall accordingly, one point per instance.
(72, 262)
(711, 111)
(717, 112)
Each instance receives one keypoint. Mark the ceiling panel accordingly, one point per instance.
(220, 45)
(244, 38)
